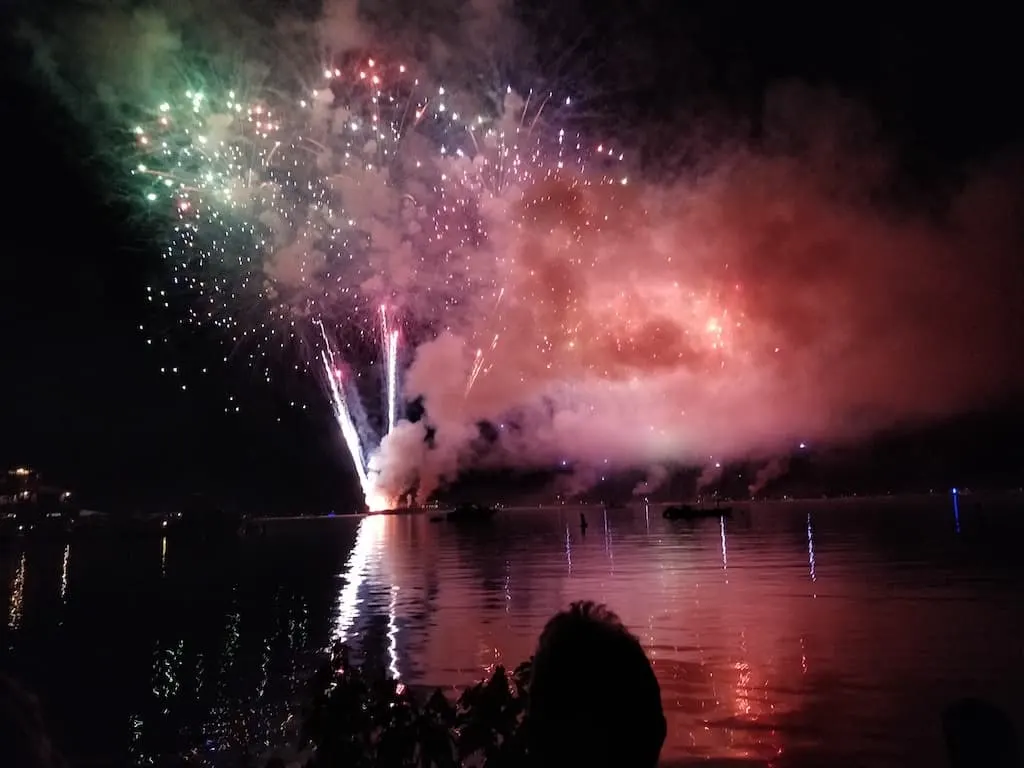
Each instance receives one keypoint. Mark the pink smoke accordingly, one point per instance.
(727, 315)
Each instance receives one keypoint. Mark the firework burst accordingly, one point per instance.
(367, 206)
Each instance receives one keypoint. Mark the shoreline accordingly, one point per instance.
(745, 503)
(99, 520)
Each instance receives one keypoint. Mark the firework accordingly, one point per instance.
(392, 379)
(342, 411)
(389, 345)
(295, 217)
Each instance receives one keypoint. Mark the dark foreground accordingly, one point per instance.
(801, 633)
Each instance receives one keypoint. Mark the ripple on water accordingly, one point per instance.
(801, 633)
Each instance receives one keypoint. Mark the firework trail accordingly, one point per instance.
(389, 344)
(531, 284)
(342, 412)
(305, 212)
(392, 376)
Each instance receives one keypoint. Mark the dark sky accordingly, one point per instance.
(82, 395)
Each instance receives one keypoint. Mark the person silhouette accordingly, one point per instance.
(24, 741)
(594, 700)
(979, 734)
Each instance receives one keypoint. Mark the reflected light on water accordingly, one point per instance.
(725, 551)
(810, 550)
(393, 635)
(163, 556)
(748, 661)
(365, 567)
(956, 510)
(508, 586)
(232, 640)
(17, 595)
(64, 573)
(167, 671)
(608, 540)
(369, 533)
(742, 688)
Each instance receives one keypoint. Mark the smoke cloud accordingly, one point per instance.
(656, 477)
(783, 289)
(773, 470)
(783, 295)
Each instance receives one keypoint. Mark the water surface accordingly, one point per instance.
(801, 633)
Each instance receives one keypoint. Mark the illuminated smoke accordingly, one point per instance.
(587, 313)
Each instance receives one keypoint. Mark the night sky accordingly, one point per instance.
(83, 397)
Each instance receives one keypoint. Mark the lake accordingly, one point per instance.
(802, 633)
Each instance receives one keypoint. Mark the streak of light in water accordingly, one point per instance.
(366, 566)
(64, 573)
(393, 636)
(508, 586)
(368, 536)
(725, 551)
(810, 550)
(17, 605)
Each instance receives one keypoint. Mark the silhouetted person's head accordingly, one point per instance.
(979, 734)
(23, 739)
(594, 700)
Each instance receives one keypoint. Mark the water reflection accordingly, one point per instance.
(365, 577)
(16, 609)
(747, 665)
(393, 636)
(810, 550)
(166, 671)
(201, 652)
(195, 650)
(64, 573)
(368, 539)
(508, 586)
(608, 542)
(725, 550)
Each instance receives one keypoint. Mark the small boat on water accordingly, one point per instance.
(470, 513)
(690, 512)
(203, 521)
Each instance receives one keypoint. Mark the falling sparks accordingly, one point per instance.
(292, 217)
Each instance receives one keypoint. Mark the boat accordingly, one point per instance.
(690, 512)
(202, 520)
(470, 513)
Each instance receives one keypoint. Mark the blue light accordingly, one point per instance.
(955, 491)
